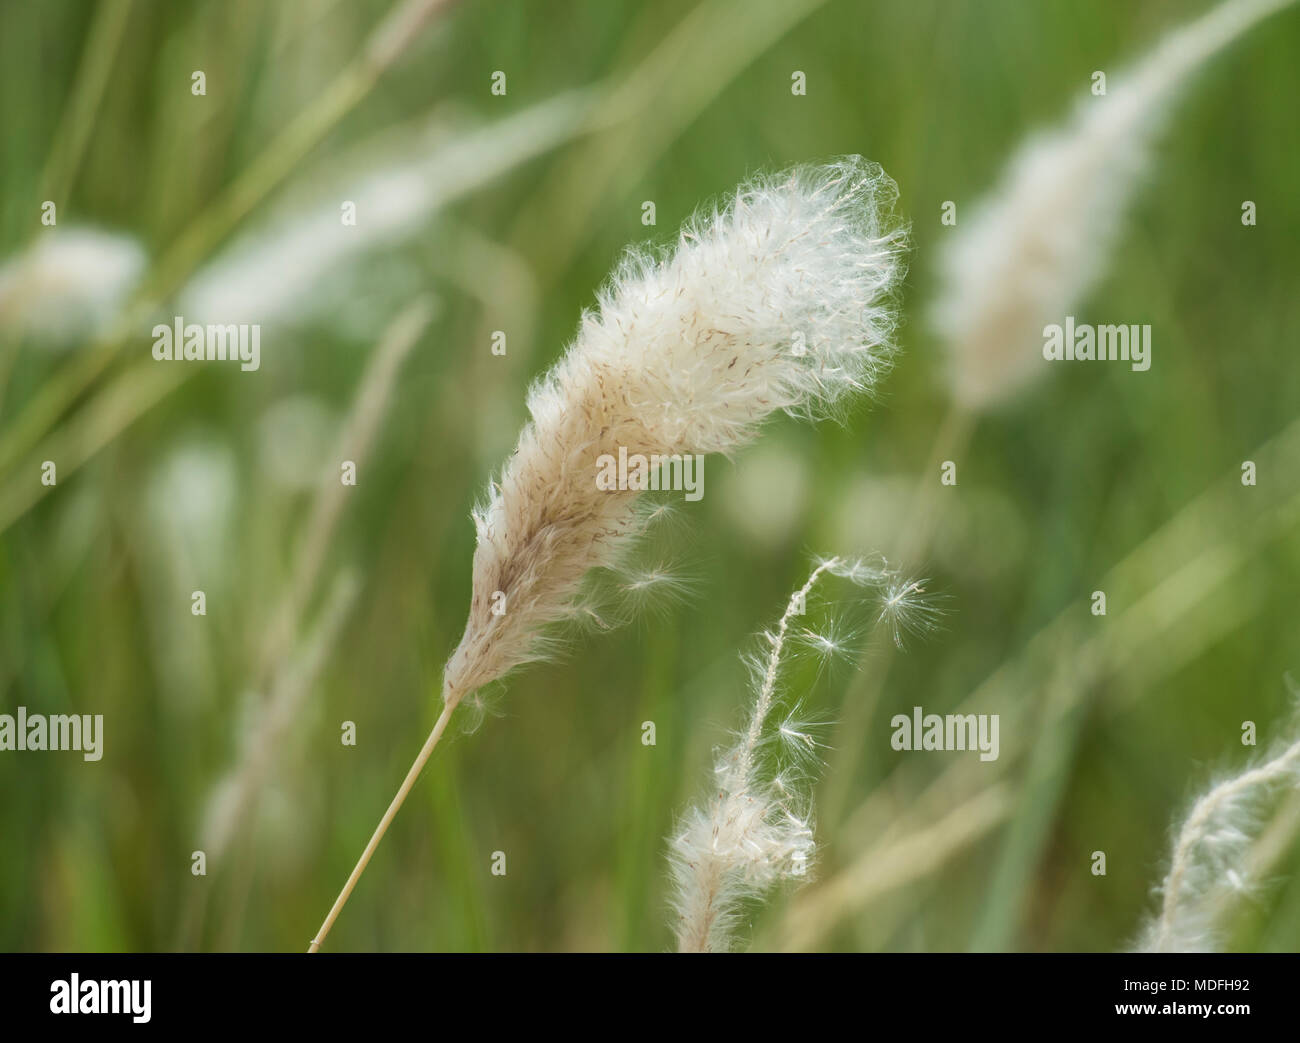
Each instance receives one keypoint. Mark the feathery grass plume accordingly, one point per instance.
(68, 283)
(272, 271)
(756, 828)
(1034, 247)
(1210, 868)
(782, 299)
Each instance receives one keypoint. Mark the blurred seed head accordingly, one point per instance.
(192, 498)
(68, 284)
(276, 271)
(1030, 251)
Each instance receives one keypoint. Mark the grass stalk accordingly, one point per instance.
(426, 751)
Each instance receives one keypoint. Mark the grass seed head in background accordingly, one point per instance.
(1036, 245)
(68, 284)
(783, 299)
(1212, 866)
(756, 829)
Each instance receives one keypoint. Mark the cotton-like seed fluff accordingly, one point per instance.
(784, 298)
(1210, 868)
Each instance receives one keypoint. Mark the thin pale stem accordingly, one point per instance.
(384, 822)
(696, 932)
(764, 704)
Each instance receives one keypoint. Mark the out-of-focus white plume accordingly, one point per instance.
(1034, 247)
(271, 274)
(68, 284)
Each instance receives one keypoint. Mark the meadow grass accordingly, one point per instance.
(1096, 479)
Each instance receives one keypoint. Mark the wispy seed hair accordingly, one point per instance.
(1210, 868)
(783, 298)
(755, 829)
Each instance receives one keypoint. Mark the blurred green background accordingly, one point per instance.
(327, 604)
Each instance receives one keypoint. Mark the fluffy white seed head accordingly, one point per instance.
(1211, 867)
(1031, 250)
(783, 299)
